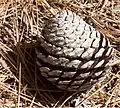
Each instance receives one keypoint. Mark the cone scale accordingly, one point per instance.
(72, 54)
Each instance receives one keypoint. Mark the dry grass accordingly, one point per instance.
(21, 22)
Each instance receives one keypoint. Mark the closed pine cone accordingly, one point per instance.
(72, 54)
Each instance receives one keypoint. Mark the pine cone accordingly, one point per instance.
(72, 54)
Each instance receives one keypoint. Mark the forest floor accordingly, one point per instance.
(21, 22)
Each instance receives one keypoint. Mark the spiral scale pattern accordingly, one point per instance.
(72, 54)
